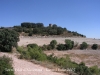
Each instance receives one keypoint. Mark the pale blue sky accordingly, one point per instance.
(82, 16)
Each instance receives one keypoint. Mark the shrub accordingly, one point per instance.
(37, 54)
(72, 42)
(69, 44)
(49, 47)
(84, 45)
(44, 47)
(19, 49)
(32, 45)
(5, 65)
(61, 47)
(25, 54)
(81, 69)
(95, 70)
(52, 58)
(53, 44)
(33, 52)
(8, 39)
(94, 46)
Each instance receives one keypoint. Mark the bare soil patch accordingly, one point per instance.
(41, 41)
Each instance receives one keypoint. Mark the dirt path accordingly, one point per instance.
(24, 67)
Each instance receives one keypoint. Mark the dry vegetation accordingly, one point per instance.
(90, 57)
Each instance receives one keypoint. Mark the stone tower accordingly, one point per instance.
(50, 25)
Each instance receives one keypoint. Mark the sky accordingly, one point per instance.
(82, 16)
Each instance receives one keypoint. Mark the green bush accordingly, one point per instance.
(61, 47)
(32, 45)
(69, 44)
(20, 49)
(37, 54)
(25, 54)
(94, 46)
(33, 52)
(84, 45)
(95, 70)
(8, 39)
(44, 47)
(49, 47)
(53, 44)
(62, 62)
(5, 65)
(72, 44)
(81, 69)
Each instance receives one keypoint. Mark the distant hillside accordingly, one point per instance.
(27, 28)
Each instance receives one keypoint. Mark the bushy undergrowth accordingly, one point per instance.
(5, 63)
(81, 69)
(53, 45)
(36, 52)
(32, 53)
(63, 62)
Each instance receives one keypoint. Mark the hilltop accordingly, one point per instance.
(30, 29)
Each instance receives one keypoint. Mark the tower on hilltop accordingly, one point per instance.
(50, 25)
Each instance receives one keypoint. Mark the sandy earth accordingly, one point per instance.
(23, 67)
(40, 41)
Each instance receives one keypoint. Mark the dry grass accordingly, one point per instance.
(89, 57)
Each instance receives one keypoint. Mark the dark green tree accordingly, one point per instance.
(84, 45)
(36, 31)
(59, 30)
(40, 25)
(69, 44)
(61, 47)
(52, 32)
(8, 39)
(94, 46)
(53, 44)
